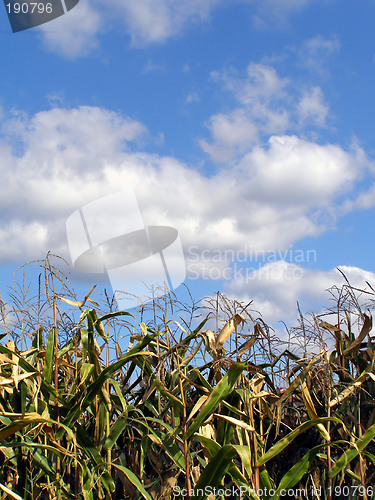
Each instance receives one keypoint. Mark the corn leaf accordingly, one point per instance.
(221, 391)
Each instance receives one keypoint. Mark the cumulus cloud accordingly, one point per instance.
(260, 94)
(232, 134)
(276, 287)
(312, 109)
(75, 33)
(58, 160)
(150, 21)
(298, 173)
(261, 82)
(145, 21)
(267, 104)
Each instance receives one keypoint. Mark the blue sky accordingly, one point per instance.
(246, 125)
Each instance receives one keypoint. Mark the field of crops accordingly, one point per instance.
(182, 401)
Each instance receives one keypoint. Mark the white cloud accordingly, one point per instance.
(267, 105)
(276, 287)
(312, 109)
(151, 67)
(145, 21)
(150, 21)
(315, 52)
(298, 173)
(75, 33)
(232, 133)
(261, 83)
(364, 201)
(58, 160)
(262, 112)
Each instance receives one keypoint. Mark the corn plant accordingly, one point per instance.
(206, 402)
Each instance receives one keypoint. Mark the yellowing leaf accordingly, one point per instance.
(79, 303)
(198, 405)
(10, 493)
(228, 329)
(235, 421)
(10, 381)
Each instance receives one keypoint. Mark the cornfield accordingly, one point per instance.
(204, 402)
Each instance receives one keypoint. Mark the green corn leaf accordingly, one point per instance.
(265, 482)
(87, 481)
(73, 342)
(134, 480)
(28, 419)
(92, 452)
(114, 315)
(27, 444)
(173, 451)
(164, 440)
(244, 453)
(85, 372)
(221, 391)
(350, 454)
(283, 443)
(212, 446)
(122, 400)
(295, 474)
(167, 394)
(353, 476)
(214, 472)
(115, 432)
(86, 397)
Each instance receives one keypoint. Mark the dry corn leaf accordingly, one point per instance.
(367, 325)
(5, 359)
(296, 382)
(181, 327)
(263, 394)
(357, 383)
(328, 326)
(15, 368)
(79, 303)
(235, 421)
(118, 350)
(10, 381)
(198, 405)
(211, 338)
(312, 411)
(348, 391)
(247, 345)
(208, 431)
(10, 493)
(256, 383)
(228, 329)
(28, 352)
